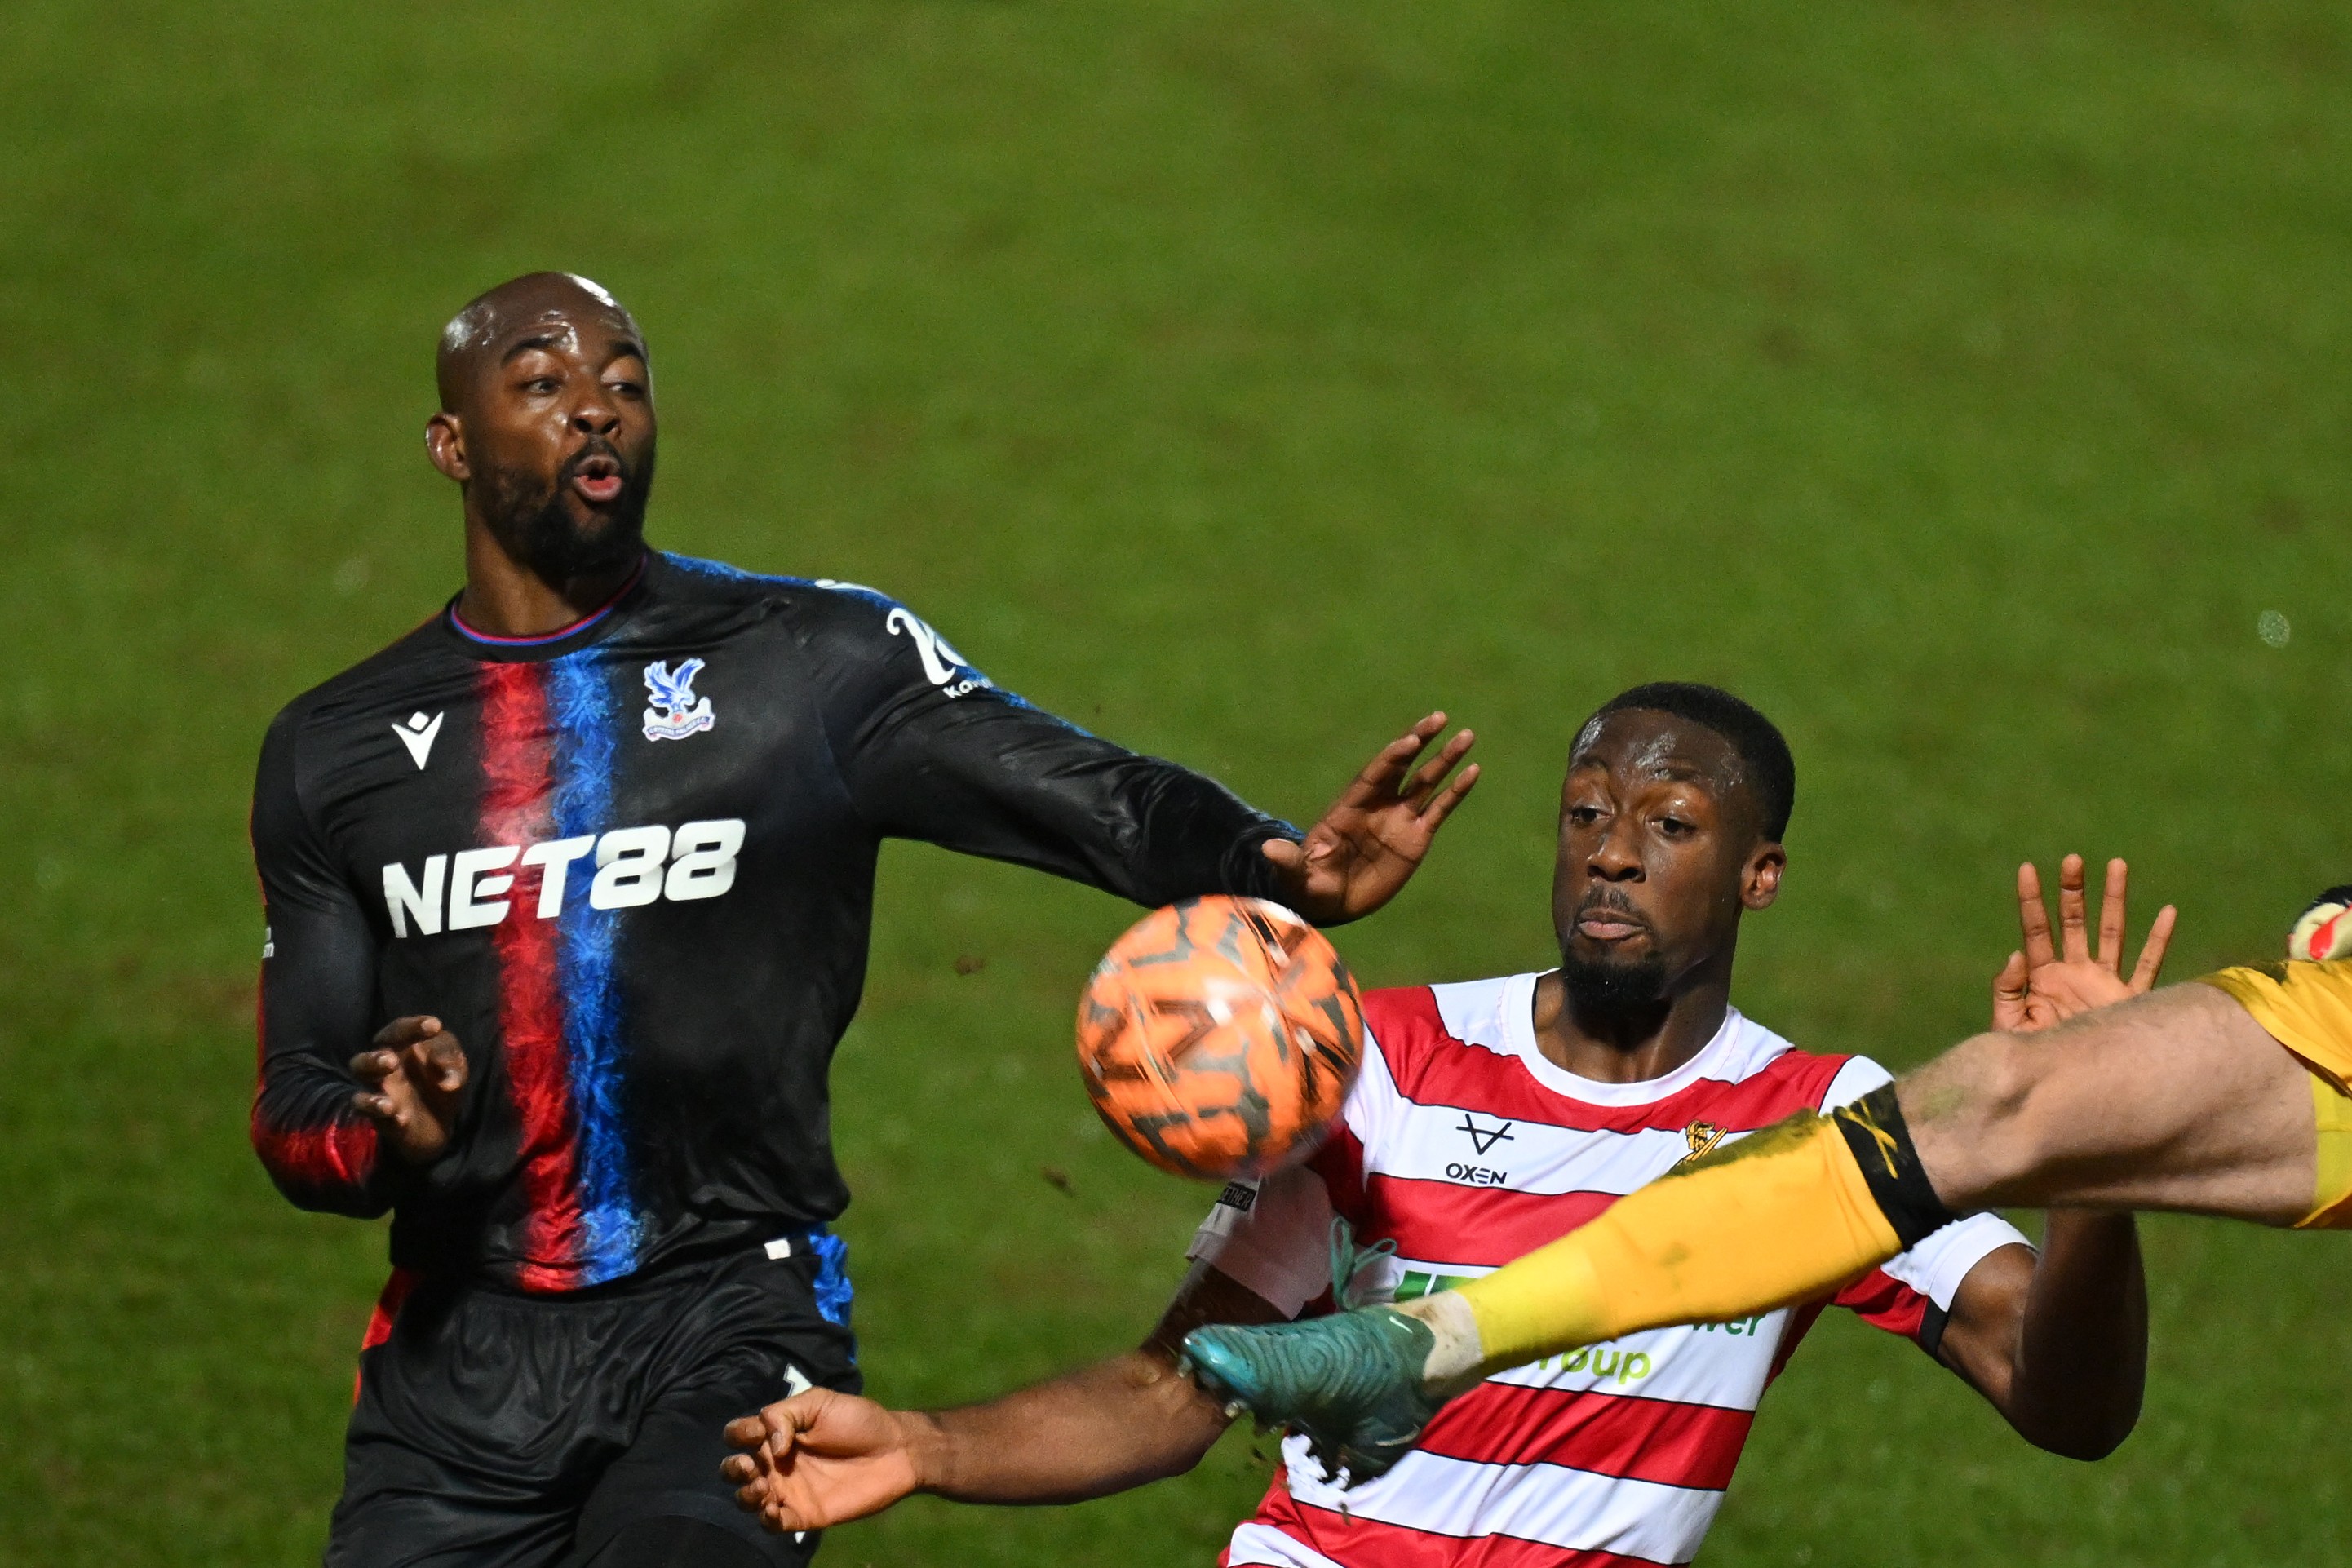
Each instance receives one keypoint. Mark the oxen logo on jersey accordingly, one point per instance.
(943, 666)
(1701, 1136)
(675, 712)
(417, 736)
(1485, 1138)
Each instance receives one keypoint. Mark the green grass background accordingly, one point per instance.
(1959, 381)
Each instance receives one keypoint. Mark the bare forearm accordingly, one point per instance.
(1116, 1425)
(2082, 1352)
(821, 1458)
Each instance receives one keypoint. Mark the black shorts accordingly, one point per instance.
(495, 1429)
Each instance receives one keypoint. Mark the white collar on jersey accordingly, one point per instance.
(1723, 1057)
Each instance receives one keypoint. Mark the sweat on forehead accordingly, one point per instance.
(1758, 752)
(1657, 739)
(535, 297)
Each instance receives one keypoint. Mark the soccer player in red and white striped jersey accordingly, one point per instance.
(1463, 1145)
(1490, 1117)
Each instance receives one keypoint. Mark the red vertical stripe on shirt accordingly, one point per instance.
(518, 784)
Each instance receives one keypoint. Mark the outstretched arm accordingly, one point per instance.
(822, 1458)
(929, 748)
(2058, 1343)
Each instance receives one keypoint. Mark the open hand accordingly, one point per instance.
(821, 1458)
(1372, 838)
(2043, 985)
(410, 1079)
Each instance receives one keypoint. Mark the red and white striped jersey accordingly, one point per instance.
(1465, 1146)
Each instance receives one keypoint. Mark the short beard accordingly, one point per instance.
(1603, 989)
(535, 526)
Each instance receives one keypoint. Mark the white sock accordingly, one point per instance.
(1455, 1359)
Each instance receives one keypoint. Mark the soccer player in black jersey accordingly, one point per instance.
(569, 894)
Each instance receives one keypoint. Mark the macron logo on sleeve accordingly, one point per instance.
(418, 735)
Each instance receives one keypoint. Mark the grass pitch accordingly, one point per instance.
(1961, 381)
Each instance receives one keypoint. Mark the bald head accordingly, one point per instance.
(536, 309)
(547, 421)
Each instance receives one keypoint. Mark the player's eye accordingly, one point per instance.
(1673, 826)
(1584, 815)
(543, 385)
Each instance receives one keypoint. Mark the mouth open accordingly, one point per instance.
(597, 478)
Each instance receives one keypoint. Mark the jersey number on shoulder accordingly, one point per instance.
(942, 666)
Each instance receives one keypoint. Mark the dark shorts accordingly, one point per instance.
(495, 1429)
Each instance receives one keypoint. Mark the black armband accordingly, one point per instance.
(1874, 1130)
(1931, 1330)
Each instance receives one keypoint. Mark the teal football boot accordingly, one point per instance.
(1350, 1382)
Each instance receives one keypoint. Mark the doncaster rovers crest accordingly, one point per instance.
(1702, 1137)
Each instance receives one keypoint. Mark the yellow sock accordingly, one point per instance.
(1779, 1217)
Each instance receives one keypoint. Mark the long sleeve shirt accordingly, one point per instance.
(631, 868)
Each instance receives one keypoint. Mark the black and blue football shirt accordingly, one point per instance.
(631, 866)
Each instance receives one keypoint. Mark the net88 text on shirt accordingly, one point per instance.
(632, 867)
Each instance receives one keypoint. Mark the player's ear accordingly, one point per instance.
(1759, 879)
(444, 443)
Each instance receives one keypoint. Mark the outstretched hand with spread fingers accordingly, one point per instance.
(2047, 984)
(1371, 840)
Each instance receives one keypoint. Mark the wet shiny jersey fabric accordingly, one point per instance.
(631, 868)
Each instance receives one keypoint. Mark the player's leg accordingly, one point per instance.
(404, 1505)
(462, 1448)
(749, 1333)
(664, 1501)
(2179, 1099)
(2182, 1099)
(2176, 1100)
(678, 1543)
